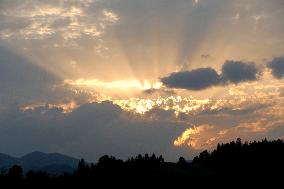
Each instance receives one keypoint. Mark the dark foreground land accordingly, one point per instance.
(236, 162)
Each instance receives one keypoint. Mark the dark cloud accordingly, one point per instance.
(277, 67)
(158, 114)
(197, 79)
(237, 72)
(202, 78)
(90, 131)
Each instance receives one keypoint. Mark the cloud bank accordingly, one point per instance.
(90, 131)
(202, 78)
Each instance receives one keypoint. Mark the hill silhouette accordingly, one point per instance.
(52, 163)
(235, 161)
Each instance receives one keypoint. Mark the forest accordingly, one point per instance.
(235, 160)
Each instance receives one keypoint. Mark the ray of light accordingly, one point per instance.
(122, 84)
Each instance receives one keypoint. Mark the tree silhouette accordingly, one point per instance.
(15, 172)
(182, 161)
(243, 158)
(234, 159)
(83, 169)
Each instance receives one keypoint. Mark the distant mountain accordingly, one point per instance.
(53, 163)
(7, 161)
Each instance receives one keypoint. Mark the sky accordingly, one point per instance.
(121, 77)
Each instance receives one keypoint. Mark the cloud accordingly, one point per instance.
(277, 67)
(219, 127)
(134, 35)
(160, 91)
(89, 131)
(53, 19)
(233, 111)
(192, 137)
(197, 79)
(203, 78)
(237, 72)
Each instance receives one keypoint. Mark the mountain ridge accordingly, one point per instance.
(53, 163)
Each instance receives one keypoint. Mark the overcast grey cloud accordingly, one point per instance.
(90, 131)
(95, 129)
(277, 67)
(202, 78)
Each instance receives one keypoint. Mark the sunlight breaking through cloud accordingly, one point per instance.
(122, 84)
(190, 136)
(177, 104)
(221, 62)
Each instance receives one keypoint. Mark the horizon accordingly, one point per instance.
(125, 159)
(210, 151)
(94, 77)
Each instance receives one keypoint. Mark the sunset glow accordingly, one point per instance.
(123, 84)
(175, 77)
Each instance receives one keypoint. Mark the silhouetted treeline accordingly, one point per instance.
(234, 158)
